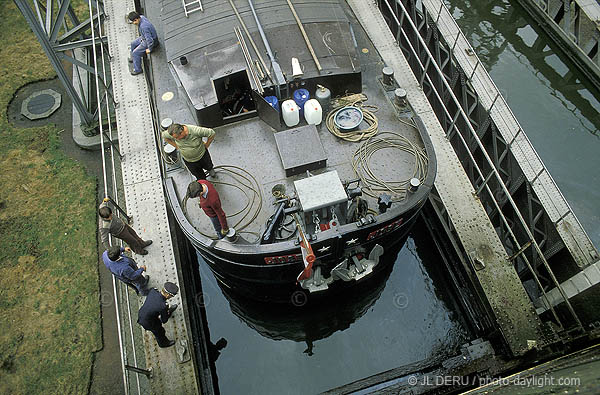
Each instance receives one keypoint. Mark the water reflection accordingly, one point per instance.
(407, 314)
(556, 105)
(503, 26)
(315, 320)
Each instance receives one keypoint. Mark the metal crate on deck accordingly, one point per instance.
(322, 196)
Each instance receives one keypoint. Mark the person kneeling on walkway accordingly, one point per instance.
(125, 268)
(211, 204)
(155, 311)
(110, 224)
(188, 139)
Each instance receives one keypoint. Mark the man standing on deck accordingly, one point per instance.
(112, 225)
(211, 204)
(188, 139)
(156, 312)
(125, 268)
(145, 43)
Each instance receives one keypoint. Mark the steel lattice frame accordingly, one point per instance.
(60, 32)
(530, 208)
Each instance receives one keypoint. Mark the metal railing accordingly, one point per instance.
(121, 294)
(427, 64)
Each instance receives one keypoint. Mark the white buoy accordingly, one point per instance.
(313, 112)
(290, 112)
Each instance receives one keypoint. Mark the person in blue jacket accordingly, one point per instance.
(125, 268)
(145, 43)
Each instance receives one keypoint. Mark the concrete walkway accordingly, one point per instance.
(173, 368)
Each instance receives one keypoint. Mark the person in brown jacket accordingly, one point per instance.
(114, 226)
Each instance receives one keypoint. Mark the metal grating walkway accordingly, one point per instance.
(512, 308)
(145, 201)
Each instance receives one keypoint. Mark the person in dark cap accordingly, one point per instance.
(155, 311)
(125, 269)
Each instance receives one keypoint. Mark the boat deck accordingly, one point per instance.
(199, 30)
(251, 145)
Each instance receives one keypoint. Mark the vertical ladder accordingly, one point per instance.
(192, 6)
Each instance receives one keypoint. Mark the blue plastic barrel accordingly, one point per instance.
(272, 100)
(301, 96)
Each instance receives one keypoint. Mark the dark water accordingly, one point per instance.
(554, 103)
(405, 315)
(409, 313)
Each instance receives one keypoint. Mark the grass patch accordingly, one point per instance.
(49, 301)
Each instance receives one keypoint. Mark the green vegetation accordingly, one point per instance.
(49, 302)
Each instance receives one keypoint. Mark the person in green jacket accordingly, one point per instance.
(189, 140)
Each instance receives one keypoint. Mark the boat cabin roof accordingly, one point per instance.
(216, 23)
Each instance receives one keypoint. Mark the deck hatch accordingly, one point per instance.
(300, 149)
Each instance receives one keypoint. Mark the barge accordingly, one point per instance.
(314, 203)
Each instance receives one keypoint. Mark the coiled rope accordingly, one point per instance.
(356, 100)
(248, 185)
(374, 185)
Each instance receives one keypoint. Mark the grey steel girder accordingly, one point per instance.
(528, 224)
(47, 22)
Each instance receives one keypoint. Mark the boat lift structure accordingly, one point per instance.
(523, 252)
(573, 25)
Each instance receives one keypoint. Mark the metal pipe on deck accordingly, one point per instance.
(276, 67)
(251, 39)
(249, 63)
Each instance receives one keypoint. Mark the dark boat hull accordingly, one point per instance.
(318, 318)
(277, 282)
(269, 272)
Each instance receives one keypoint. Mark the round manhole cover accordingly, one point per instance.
(41, 104)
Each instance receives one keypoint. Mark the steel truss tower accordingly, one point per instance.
(61, 33)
